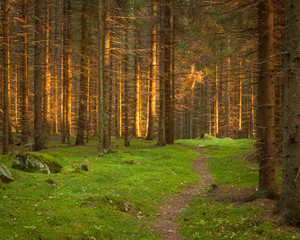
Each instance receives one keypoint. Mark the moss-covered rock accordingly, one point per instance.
(5, 174)
(36, 162)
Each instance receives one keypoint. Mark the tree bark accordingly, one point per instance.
(126, 81)
(167, 73)
(82, 115)
(47, 83)
(39, 133)
(100, 76)
(153, 70)
(5, 67)
(107, 77)
(138, 88)
(24, 79)
(163, 75)
(266, 103)
(289, 205)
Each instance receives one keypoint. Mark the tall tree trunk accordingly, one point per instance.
(216, 125)
(266, 103)
(138, 88)
(39, 133)
(162, 78)
(240, 133)
(5, 67)
(24, 79)
(167, 73)
(107, 77)
(82, 119)
(289, 205)
(47, 83)
(100, 76)
(173, 127)
(227, 132)
(152, 99)
(69, 74)
(126, 81)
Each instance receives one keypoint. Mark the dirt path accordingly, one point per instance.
(165, 223)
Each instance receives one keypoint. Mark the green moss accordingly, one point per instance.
(53, 164)
(2, 186)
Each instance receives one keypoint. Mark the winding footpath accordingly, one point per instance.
(165, 223)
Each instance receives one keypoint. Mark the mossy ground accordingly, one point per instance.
(224, 214)
(115, 199)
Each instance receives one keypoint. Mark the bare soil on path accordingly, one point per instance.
(165, 223)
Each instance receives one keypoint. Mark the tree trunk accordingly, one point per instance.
(167, 73)
(82, 115)
(5, 67)
(24, 79)
(126, 82)
(107, 81)
(100, 76)
(289, 205)
(138, 88)
(39, 133)
(163, 74)
(266, 103)
(152, 99)
(69, 74)
(227, 131)
(216, 125)
(47, 83)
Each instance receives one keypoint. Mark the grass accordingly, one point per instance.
(115, 199)
(208, 217)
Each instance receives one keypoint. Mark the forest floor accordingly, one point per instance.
(169, 212)
(141, 192)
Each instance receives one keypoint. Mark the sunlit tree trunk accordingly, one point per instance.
(69, 73)
(126, 81)
(216, 125)
(138, 88)
(153, 70)
(266, 103)
(39, 133)
(227, 132)
(107, 80)
(120, 99)
(240, 102)
(47, 83)
(289, 205)
(82, 119)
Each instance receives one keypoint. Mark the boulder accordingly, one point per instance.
(36, 162)
(5, 174)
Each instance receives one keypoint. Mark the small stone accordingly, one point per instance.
(84, 167)
(51, 181)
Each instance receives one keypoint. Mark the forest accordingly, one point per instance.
(131, 119)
